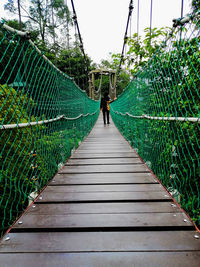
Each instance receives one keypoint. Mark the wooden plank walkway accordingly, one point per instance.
(104, 208)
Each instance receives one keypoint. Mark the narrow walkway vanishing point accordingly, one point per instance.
(104, 208)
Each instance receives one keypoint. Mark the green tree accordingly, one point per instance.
(48, 17)
(72, 63)
(195, 5)
(140, 49)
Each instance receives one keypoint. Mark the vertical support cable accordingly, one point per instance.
(80, 38)
(125, 35)
(138, 24)
(130, 35)
(151, 11)
(76, 47)
(67, 28)
(138, 19)
(19, 13)
(130, 27)
(182, 6)
(53, 22)
(20, 26)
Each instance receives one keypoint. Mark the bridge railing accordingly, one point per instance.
(159, 114)
(44, 115)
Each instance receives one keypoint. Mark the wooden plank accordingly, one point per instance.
(104, 147)
(119, 141)
(111, 259)
(99, 178)
(103, 221)
(105, 169)
(91, 155)
(105, 188)
(106, 196)
(104, 161)
(110, 143)
(101, 241)
(95, 208)
(103, 150)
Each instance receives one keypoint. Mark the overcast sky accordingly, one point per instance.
(102, 22)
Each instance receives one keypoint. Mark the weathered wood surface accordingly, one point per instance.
(110, 222)
(105, 188)
(103, 259)
(104, 208)
(103, 161)
(106, 178)
(102, 197)
(106, 168)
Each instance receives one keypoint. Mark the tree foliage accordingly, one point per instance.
(140, 49)
(72, 62)
(48, 23)
(195, 5)
(48, 17)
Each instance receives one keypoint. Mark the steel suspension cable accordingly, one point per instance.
(138, 23)
(79, 34)
(182, 7)
(138, 19)
(150, 34)
(125, 35)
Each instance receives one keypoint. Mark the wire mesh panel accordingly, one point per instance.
(159, 114)
(44, 115)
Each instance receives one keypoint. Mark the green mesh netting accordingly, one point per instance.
(44, 115)
(158, 113)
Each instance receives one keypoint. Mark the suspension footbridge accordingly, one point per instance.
(76, 193)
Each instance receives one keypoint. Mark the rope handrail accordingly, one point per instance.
(166, 118)
(12, 30)
(26, 124)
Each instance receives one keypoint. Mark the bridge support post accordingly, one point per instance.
(90, 87)
(112, 88)
(93, 85)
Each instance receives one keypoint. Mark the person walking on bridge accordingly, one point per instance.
(105, 107)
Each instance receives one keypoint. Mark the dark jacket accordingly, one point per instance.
(104, 102)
